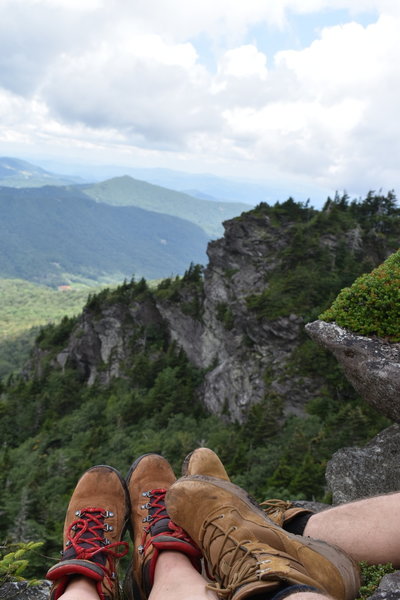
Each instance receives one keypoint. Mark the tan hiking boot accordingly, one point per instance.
(149, 478)
(95, 522)
(282, 512)
(246, 552)
(204, 461)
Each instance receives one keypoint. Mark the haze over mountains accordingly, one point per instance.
(15, 172)
(57, 234)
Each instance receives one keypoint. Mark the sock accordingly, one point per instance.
(298, 524)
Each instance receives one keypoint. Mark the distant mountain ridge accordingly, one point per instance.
(55, 235)
(55, 230)
(126, 191)
(20, 173)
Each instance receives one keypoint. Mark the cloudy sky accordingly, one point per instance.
(283, 90)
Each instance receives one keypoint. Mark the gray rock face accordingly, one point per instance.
(371, 365)
(355, 473)
(21, 591)
(100, 344)
(237, 351)
(389, 588)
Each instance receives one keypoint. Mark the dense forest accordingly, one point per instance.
(54, 426)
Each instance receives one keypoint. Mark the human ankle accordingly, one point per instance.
(80, 587)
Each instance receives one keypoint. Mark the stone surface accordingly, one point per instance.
(355, 473)
(389, 588)
(21, 591)
(370, 364)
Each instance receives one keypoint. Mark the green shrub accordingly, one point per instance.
(14, 561)
(371, 576)
(371, 306)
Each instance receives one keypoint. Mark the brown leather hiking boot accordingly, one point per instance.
(204, 461)
(152, 529)
(282, 512)
(246, 552)
(95, 522)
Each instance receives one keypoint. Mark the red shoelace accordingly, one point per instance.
(86, 537)
(156, 504)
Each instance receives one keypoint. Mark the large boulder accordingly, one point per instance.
(370, 364)
(355, 473)
(389, 588)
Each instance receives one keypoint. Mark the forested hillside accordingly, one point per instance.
(126, 191)
(276, 268)
(24, 307)
(55, 235)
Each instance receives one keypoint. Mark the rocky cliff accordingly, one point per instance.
(241, 321)
(372, 365)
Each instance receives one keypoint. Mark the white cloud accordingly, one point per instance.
(243, 62)
(117, 74)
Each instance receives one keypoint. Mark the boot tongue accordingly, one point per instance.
(160, 526)
(158, 512)
(91, 532)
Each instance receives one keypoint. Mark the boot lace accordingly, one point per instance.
(157, 513)
(274, 505)
(86, 538)
(244, 566)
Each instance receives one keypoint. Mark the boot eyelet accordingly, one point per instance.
(147, 519)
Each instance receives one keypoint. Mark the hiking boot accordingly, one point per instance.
(152, 529)
(283, 512)
(95, 522)
(246, 553)
(204, 461)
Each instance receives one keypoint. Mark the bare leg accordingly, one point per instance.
(80, 588)
(176, 579)
(367, 529)
(307, 596)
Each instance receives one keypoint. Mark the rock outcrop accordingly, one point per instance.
(243, 356)
(19, 590)
(389, 588)
(355, 473)
(230, 342)
(226, 322)
(103, 340)
(370, 364)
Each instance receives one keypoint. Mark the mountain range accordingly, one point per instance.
(57, 234)
(15, 172)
